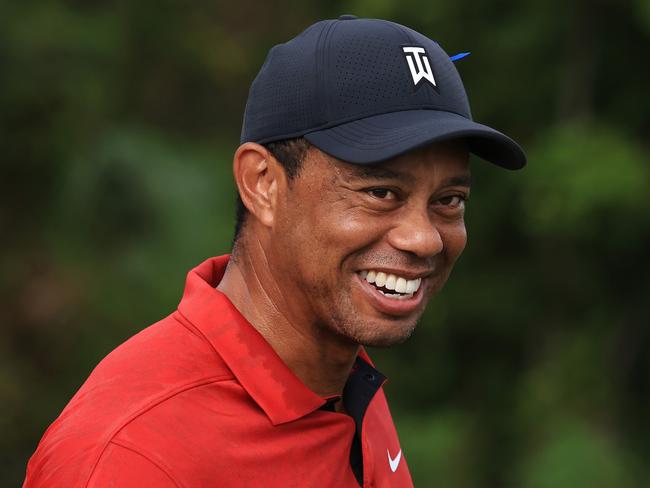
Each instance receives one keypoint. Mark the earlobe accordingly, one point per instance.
(256, 180)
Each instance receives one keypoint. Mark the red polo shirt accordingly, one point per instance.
(201, 399)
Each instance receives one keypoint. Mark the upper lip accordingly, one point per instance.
(408, 274)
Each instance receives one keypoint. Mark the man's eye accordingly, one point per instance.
(382, 193)
(453, 201)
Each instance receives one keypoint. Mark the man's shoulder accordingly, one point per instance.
(169, 352)
(155, 366)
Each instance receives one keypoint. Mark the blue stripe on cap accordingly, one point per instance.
(458, 56)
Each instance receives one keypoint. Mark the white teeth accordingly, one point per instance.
(380, 280)
(400, 285)
(397, 296)
(413, 285)
(404, 288)
(391, 279)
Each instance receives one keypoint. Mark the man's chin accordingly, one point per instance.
(383, 332)
(384, 342)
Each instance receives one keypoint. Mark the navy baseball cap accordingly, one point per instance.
(364, 91)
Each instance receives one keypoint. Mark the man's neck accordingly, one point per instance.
(321, 360)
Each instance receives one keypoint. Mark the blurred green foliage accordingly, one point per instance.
(117, 125)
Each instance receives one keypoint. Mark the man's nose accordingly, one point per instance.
(416, 233)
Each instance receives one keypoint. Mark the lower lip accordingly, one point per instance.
(392, 306)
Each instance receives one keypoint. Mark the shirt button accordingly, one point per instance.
(370, 377)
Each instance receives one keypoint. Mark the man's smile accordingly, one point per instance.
(391, 285)
(392, 293)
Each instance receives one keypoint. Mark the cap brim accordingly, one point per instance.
(381, 137)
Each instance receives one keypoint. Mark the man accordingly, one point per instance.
(353, 176)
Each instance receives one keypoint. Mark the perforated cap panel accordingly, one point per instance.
(366, 80)
(281, 98)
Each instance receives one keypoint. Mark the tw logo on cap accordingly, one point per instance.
(418, 63)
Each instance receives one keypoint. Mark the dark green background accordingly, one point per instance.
(118, 123)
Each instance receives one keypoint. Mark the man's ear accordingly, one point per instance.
(257, 176)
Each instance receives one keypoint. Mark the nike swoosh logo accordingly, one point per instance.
(394, 462)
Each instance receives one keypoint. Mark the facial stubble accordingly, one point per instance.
(345, 320)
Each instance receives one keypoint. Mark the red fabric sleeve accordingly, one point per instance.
(128, 468)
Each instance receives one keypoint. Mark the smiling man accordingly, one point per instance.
(353, 177)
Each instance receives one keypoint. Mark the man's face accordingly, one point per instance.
(359, 250)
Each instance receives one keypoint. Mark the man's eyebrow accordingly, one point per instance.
(461, 180)
(380, 173)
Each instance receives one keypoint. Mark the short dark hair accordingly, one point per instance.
(290, 153)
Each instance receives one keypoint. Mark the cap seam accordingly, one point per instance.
(321, 58)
